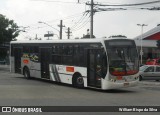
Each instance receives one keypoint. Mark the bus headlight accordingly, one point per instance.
(113, 80)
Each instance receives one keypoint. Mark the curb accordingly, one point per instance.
(155, 83)
(5, 67)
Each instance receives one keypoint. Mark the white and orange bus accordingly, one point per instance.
(96, 63)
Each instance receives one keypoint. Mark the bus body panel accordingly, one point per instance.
(34, 67)
(64, 72)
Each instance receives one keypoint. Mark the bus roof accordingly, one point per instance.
(94, 40)
(59, 41)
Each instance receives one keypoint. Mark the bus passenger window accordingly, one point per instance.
(34, 53)
(25, 49)
(56, 55)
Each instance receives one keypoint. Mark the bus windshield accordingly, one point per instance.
(123, 58)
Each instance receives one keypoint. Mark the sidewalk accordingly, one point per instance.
(5, 67)
(149, 83)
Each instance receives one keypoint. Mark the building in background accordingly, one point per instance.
(149, 44)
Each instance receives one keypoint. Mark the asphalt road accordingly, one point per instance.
(15, 90)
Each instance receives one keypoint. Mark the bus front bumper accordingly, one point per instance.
(115, 85)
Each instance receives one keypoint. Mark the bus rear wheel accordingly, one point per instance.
(26, 73)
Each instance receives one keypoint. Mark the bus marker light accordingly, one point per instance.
(70, 69)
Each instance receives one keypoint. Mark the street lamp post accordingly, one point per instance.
(141, 50)
(50, 26)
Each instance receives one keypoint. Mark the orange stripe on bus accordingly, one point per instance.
(25, 61)
(70, 69)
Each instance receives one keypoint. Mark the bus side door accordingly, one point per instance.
(45, 60)
(17, 59)
(94, 67)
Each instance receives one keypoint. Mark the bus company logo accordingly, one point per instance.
(21, 109)
(6, 109)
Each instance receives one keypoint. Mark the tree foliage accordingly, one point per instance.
(8, 29)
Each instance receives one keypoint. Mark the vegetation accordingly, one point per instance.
(8, 30)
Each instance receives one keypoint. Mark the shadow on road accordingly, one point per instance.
(113, 90)
(90, 89)
(45, 81)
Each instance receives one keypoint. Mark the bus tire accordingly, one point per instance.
(78, 81)
(26, 73)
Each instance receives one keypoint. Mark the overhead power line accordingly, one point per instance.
(154, 8)
(36, 26)
(106, 9)
(82, 24)
(136, 4)
(68, 17)
(79, 21)
(57, 1)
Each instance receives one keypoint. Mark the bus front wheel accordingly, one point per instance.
(26, 73)
(78, 81)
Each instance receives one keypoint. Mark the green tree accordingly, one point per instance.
(8, 30)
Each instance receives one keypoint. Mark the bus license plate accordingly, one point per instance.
(126, 84)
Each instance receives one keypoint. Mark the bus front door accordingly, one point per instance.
(17, 59)
(94, 67)
(45, 57)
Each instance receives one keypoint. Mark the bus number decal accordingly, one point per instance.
(70, 69)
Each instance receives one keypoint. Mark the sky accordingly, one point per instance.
(27, 13)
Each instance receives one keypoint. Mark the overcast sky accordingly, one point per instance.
(29, 12)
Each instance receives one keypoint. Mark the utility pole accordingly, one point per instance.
(69, 33)
(48, 35)
(92, 13)
(96, 9)
(141, 50)
(61, 27)
(36, 38)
